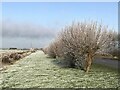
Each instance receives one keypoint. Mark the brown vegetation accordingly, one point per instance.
(80, 42)
(9, 58)
(6, 59)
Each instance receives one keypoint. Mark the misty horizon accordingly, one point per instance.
(26, 23)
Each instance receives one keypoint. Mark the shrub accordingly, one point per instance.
(51, 50)
(15, 56)
(6, 59)
(79, 43)
(12, 55)
(45, 50)
(82, 40)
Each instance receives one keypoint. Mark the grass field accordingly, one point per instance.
(40, 71)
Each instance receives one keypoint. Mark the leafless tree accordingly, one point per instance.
(82, 40)
(79, 43)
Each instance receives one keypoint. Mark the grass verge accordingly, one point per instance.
(39, 71)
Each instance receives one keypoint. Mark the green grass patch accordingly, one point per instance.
(39, 71)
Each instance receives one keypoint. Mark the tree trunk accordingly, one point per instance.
(88, 62)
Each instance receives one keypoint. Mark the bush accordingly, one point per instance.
(82, 40)
(6, 59)
(15, 56)
(51, 50)
(79, 43)
(45, 50)
(12, 55)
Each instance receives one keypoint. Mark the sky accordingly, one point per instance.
(36, 24)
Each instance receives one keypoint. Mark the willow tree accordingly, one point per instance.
(82, 40)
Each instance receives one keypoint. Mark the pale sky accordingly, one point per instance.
(37, 23)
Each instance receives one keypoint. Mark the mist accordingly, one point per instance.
(26, 35)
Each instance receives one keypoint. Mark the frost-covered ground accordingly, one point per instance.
(39, 71)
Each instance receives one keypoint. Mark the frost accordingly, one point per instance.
(56, 77)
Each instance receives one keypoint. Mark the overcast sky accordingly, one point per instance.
(35, 24)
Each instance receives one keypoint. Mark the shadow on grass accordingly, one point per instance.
(59, 62)
(94, 68)
(62, 63)
(50, 57)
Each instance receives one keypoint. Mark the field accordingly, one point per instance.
(39, 71)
